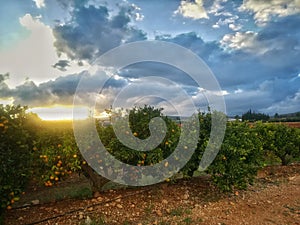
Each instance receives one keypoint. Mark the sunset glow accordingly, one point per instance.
(60, 112)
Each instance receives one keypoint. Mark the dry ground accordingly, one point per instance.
(273, 199)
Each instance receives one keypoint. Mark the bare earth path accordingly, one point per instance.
(274, 199)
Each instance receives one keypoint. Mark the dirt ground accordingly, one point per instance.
(273, 199)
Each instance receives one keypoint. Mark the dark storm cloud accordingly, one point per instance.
(265, 78)
(30, 94)
(59, 91)
(62, 65)
(5, 92)
(92, 31)
(145, 69)
(283, 41)
(194, 42)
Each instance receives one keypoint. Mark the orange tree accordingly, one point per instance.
(235, 166)
(139, 121)
(15, 154)
(280, 140)
(239, 158)
(56, 154)
(204, 135)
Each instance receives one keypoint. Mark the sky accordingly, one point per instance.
(252, 47)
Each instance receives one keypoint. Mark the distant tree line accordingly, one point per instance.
(254, 116)
(290, 117)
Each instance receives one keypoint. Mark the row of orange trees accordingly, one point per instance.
(46, 153)
(15, 154)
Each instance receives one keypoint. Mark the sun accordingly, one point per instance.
(60, 112)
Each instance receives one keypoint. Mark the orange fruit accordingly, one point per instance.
(8, 207)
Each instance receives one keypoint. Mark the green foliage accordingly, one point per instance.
(56, 155)
(204, 133)
(290, 117)
(239, 158)
(139, 119)
(280, 140)
(15, 154)
(49, 152)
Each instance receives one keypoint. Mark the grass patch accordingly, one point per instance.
(177, 212)
(187, 221)
(98, 221)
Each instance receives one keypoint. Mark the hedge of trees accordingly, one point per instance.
(50, 155)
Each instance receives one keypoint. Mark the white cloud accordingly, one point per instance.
(218, 9)
(216, 26)
(34, 56)
(234, 27)
(194, 10)
(264, 10)
(39, 3)
(139, 17)
(230, 21)
(246, 41)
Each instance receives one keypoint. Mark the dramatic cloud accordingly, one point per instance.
(33, 56)
(194, 10)
(258, 70)
(277, 49)
(251, 46)
(264, 11)
(247, 41)
(59, 91)
(92, 31)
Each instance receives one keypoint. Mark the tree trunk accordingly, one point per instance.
(96, 180)
(284, 160)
